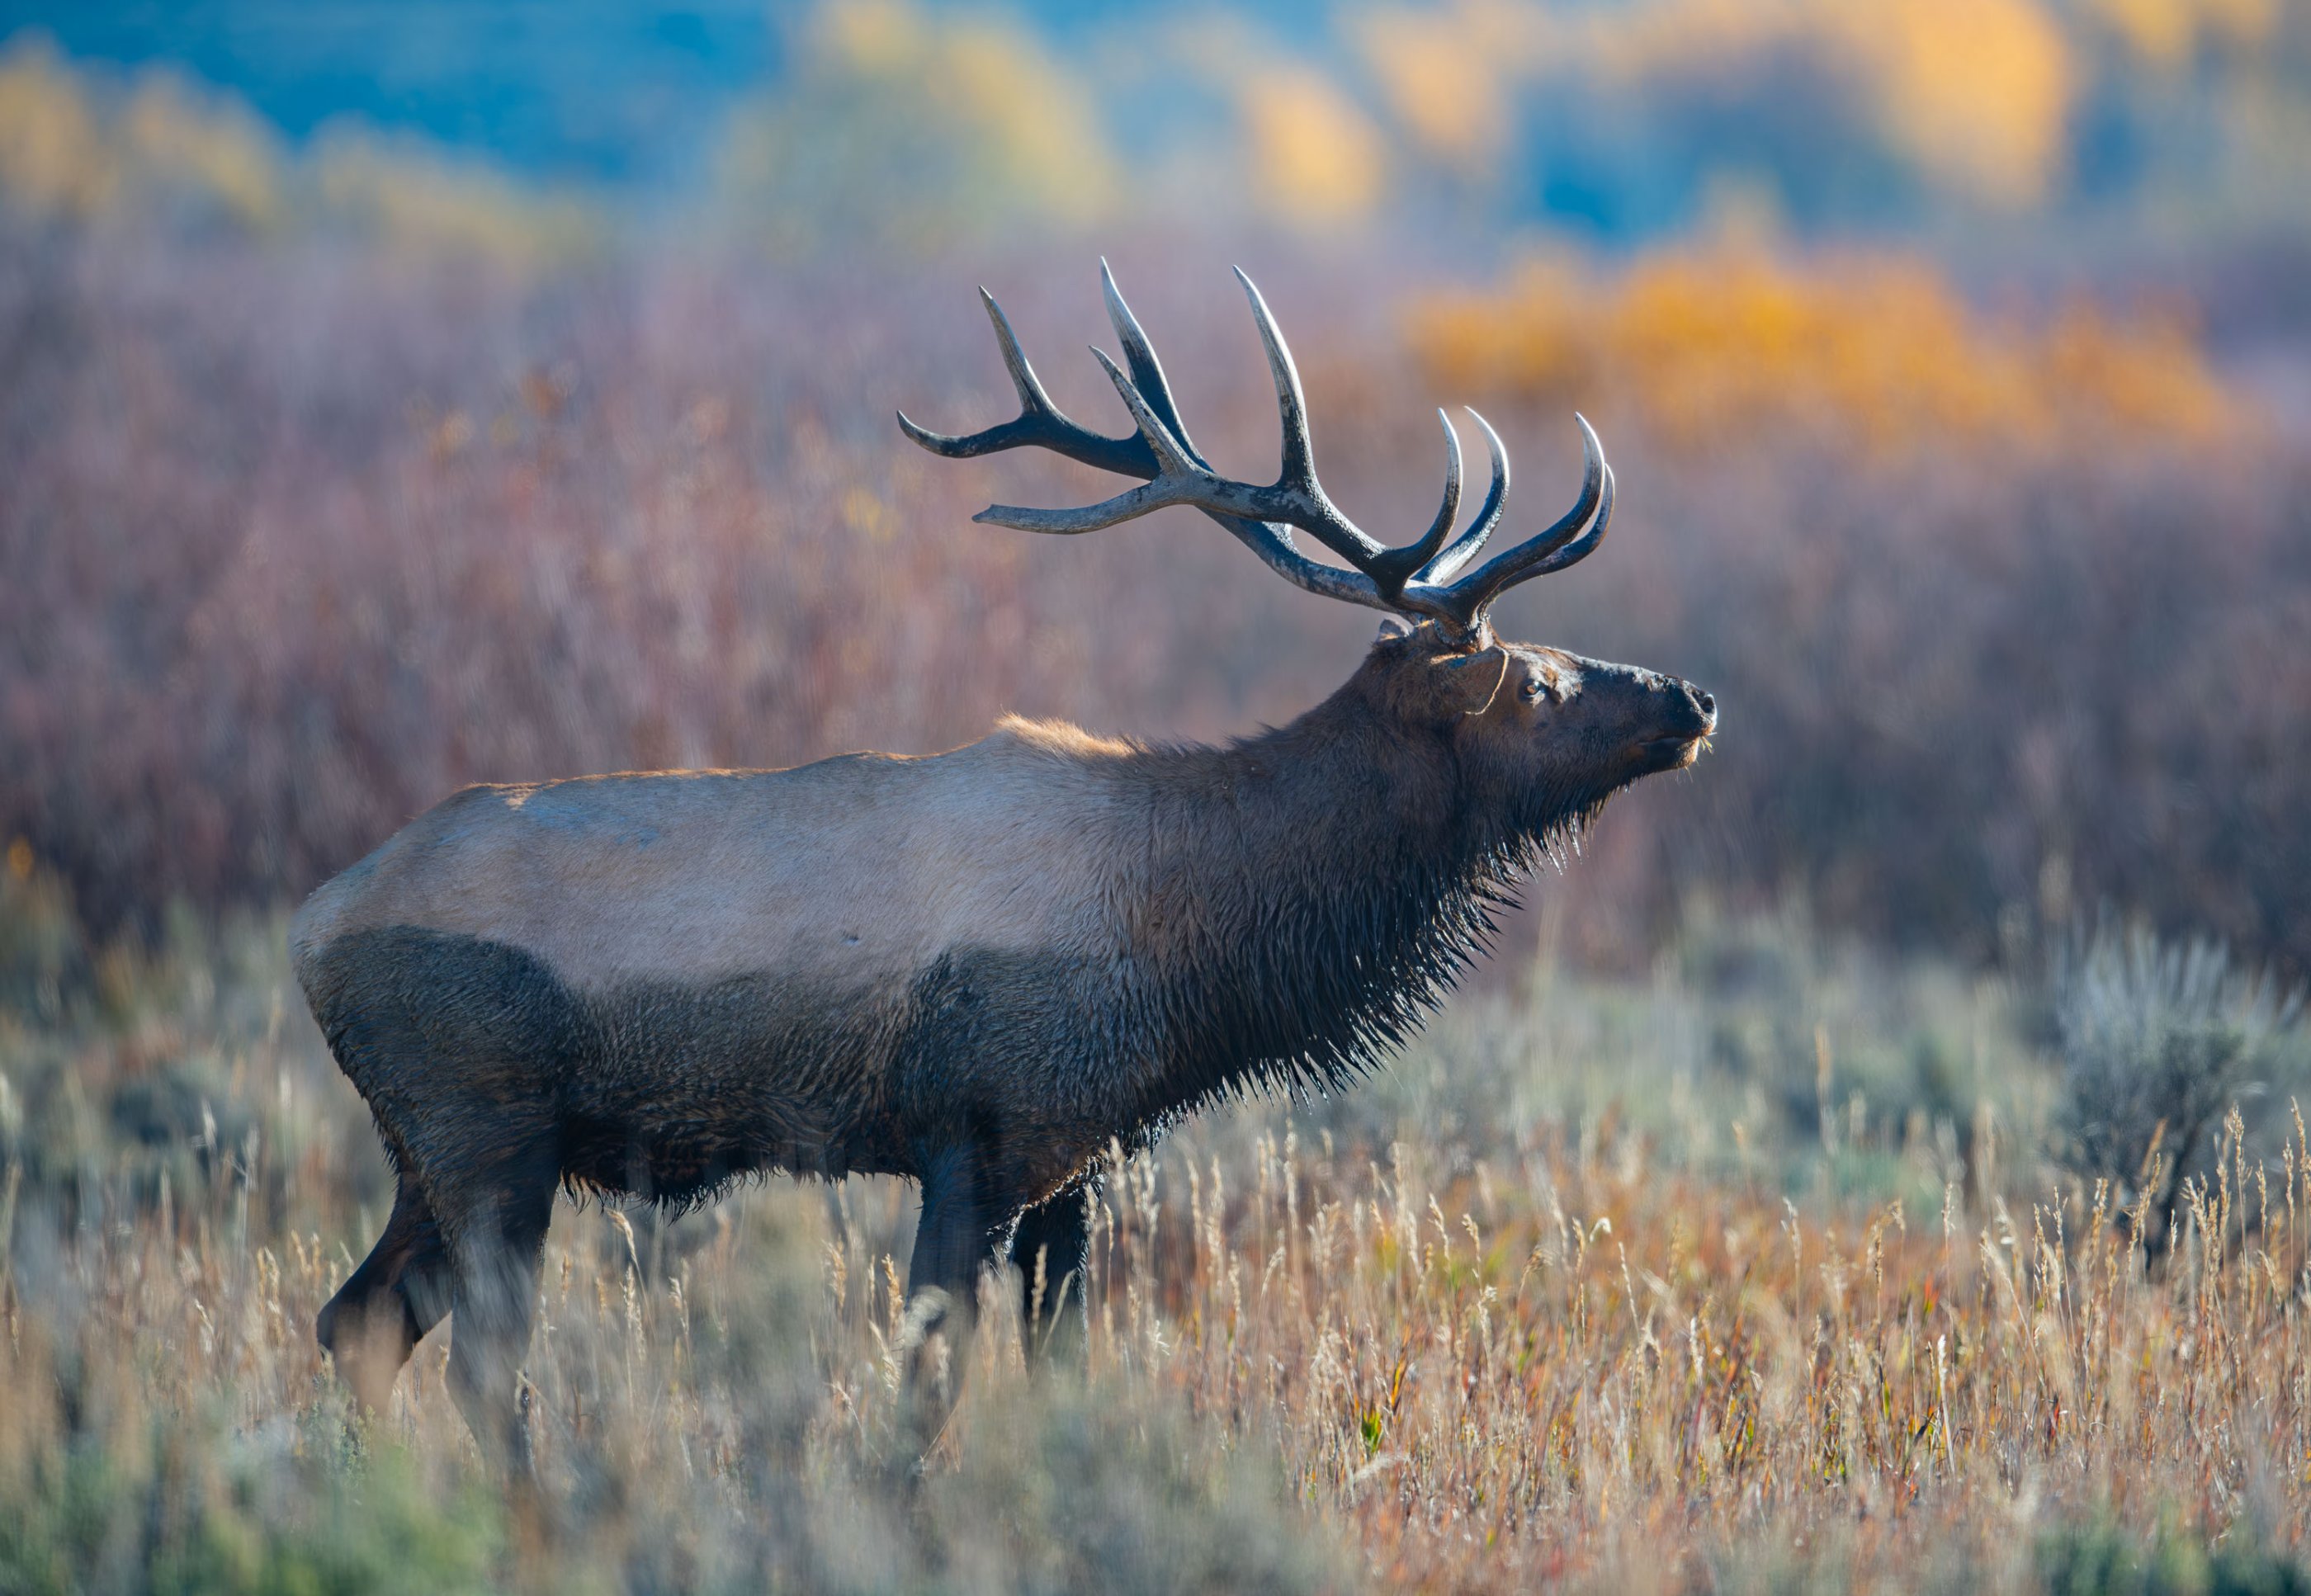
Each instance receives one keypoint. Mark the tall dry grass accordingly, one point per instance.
(1755, 1275)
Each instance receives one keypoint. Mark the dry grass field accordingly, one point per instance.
(1754, 1274)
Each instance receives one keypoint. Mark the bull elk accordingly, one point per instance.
(978, 970)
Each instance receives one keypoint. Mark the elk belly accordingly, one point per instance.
(688, 1088)
(650, 1088)
(1028, 1060)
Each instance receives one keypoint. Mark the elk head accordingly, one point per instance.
(1538, 732)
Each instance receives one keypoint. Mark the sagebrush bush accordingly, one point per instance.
(2100, 1558)
(2159, 1040)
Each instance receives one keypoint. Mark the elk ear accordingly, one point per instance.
(1392, 627)
(1472, 680)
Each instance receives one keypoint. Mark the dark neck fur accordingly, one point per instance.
(1310, 894)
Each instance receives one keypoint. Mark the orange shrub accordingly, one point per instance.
(1711, 347)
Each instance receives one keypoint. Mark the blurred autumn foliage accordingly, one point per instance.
(911, 126)
(910, 129)
(1713, 345)
(162, 150)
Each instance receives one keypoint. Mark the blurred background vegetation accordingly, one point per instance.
(396, 397)
(1623, 121)
(528, 374)
(402, 397)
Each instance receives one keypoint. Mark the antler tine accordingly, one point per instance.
(1301, 500)
(1579, 548)
(1034, 404)
(1571, 553)
(1139, 355)
(1295, 498)
(1033, 399)
(1391, 568)
(1173, 459)
(1177, 479)
(1299, 469)
(1551, 550)
(1464, 548)
(1040, 423)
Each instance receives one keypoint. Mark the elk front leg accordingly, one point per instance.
(955, 1239)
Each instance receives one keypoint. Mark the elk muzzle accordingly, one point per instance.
(1687, 719)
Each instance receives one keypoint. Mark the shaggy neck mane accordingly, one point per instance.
(1313, 893)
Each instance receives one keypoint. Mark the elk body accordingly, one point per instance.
(977, 970)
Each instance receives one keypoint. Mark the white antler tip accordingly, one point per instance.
(1452, 435)
(1113, 295)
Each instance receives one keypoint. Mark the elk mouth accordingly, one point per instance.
(1670, 753)
(1677, 750)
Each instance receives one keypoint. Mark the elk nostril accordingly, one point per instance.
(1708, 702)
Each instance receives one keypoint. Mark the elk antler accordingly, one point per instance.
(1414, 580)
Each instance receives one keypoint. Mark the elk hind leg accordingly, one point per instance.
(386, 1306)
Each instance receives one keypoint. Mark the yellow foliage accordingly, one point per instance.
(216, 150)
(1315, 158)
(2167, 33)
(1039, 125)
(1712, 346)
(435, 207)
(1979, 91)
(1443, 83)
(864, 513)
(66, 146)
(63, 150)
(962, 120)
(1665, 37)
(877, 37)
(2159, 31)
(52, 154)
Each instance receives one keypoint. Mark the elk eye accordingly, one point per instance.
(1534, 687)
